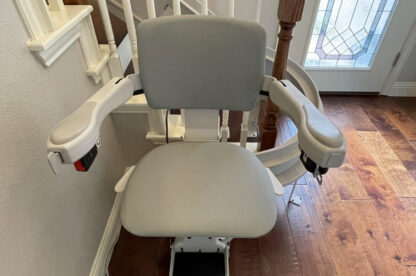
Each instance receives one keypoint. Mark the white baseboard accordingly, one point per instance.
(108, 240)
(403, 89)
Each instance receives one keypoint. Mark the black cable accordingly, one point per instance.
(166, 126)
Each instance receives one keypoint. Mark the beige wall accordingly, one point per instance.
(50, 224)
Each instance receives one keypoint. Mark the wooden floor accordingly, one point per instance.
(361, 221)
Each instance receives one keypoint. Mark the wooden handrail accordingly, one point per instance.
(289, 12)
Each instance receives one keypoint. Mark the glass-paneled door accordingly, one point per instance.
(351, 45)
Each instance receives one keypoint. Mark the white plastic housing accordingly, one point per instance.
(318, 137)
(73, 137)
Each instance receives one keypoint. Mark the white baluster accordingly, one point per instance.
(230, 8)
(244, 129)
(225, 130)
(36, 16)
(176, 7)
(204, 7)
(151, 11)
(115, 65)
(128, 13)
(108, 29)
(258, 11)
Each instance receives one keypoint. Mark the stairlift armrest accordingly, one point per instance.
(77, 134)
(318, 137)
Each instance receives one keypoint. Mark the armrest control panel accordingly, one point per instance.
(74, 140)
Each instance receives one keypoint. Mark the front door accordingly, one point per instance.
(351, 45)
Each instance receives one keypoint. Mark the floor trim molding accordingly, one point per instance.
(108, 240)
(403, 89)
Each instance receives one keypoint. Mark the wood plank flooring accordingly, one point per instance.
(361, 221)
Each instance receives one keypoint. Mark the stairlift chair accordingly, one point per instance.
(202, 193)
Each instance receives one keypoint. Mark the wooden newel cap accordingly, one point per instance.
(290, 10)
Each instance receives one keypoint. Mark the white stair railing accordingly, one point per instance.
(54, 27)
(114, 62)
(230, 8)
(151, 10)
(176, 7)
(204, 7)
(131, 28)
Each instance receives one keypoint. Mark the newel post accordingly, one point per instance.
(289, 12)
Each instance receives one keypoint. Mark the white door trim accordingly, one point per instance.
(403, 89)
(391, 87)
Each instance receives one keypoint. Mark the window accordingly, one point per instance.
(347, 33)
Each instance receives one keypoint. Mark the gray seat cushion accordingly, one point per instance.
(199, 189)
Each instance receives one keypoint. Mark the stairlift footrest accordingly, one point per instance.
(199, 264)
(296, 200)
(200, 256)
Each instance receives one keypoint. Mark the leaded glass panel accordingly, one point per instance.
(347, 33)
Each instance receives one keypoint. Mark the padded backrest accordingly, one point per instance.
(201, 62)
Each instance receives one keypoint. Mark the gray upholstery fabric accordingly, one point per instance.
(73, 125)
(199, 189)
(201, 62)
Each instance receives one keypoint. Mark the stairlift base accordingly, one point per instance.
(194, 255)
(296, 200)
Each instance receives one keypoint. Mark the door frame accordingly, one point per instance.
(407, 48)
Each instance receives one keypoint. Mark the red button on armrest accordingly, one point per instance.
(79, 166)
